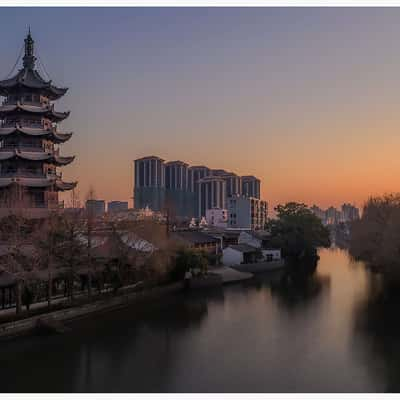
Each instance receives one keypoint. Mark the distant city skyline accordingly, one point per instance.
(305, 99)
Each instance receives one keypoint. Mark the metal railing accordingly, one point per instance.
(21, 174)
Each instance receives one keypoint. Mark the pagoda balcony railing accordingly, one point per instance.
(11, 124)
(28, 103)
(29, 174)
(21, 174)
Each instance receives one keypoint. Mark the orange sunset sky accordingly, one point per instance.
(305, 99)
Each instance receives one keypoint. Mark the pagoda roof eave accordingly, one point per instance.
(36, 156)
(44, 111)
(31, 79)
(59, 185)
(61, 161)
(58, 137)
(64, 186)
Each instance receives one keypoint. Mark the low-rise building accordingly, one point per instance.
(95, 207)
(246, 254)
(240, 254)
(117, 206)
(198, 241)
(272, 254)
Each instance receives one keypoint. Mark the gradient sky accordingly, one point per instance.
(306, 99)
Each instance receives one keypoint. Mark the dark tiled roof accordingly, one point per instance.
(30, 78)
(261, 234)
(243, 248)
(195, 237)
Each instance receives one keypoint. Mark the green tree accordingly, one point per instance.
(297, 231)
(187, 259)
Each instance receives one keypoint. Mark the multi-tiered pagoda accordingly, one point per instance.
(29, 139)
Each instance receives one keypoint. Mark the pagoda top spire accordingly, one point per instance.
(29, 57)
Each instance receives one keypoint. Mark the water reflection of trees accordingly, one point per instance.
(132, 349)
(299, 285)
(189, 313)
(377, 332)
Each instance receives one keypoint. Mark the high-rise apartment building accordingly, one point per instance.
(233, 184)
(211, 194)
(187, 191)
(149, 186)
(251, 186)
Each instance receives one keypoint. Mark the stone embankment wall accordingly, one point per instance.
(28, 325)
(259, 267)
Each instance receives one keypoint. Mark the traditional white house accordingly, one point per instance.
(246, 254)
(239, 254)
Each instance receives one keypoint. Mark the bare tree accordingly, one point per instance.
(74, 198)
(13, 231)
(375, 237)
(90, 221)
(72, 250)
(48, 240)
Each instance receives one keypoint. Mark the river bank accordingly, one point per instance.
(259, 335)
(63, 312)
(26, 326)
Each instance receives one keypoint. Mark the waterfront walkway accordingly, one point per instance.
(66, 314)
(59, 300)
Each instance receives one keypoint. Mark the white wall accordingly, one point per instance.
(274, 253)
(231, 256)
(217, 217)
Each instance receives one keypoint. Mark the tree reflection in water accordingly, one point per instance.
(190, 312)
(300, 284)
(377, 328)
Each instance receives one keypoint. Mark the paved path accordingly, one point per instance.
(231, 275)
(62, 299)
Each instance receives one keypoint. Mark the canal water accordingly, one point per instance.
(323, 333)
